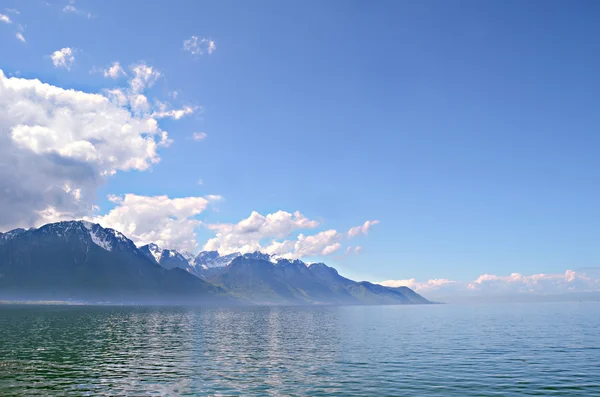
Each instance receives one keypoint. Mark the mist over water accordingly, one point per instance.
(426, 350)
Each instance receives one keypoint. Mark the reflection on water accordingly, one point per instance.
(536, 349)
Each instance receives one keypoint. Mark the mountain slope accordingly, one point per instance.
(83, 261)
(292, 282)
(168, 259)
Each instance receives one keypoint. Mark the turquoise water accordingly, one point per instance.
(543, 349)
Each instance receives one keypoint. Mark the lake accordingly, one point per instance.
(544, 349)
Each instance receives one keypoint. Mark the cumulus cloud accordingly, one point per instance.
(20, 37)
(199, 45)
(363, 229)
(51, 138)
(114, 71)
(144, 76)
(5, 18)
(516, 283)
(63, 58)
(176, 114)
(249, 234)
(275, 234)
(169, 222)
(199, 136)
(418, 286)
(535, 283)
(323, 243)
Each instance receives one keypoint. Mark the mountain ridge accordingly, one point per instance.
(82, 260)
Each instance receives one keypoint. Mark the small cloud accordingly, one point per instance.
(200, 181)
(113, 198)
(363, 229)
(144, 76)
(12, 10)
(173, 94)
(71, 9)
(175, 113)
(199, 136)
(213, 197)
(5, 18)
(20, 37)
(199, 45)
(63, 58)
(115, 71)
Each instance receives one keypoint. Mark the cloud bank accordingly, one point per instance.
(58, 145)
(515, 283)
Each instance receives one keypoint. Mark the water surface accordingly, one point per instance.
(543, 349)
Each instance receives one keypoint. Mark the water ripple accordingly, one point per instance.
(477, 350)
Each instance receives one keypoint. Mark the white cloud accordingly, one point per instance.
(363, 229)
(71, 9)
(12, 10)
(534, 283)
(323, 243)
(169, 222)
(5, 18)
(199, 136)
(275, 234)
(143, 76)
(248, 234)
(418, 286)
(115, 71)
(356, 250)
(63, 58)
(20, 37)
(117, 96)
(516, 283)
(330, 249)
(175, 114)
(199, 45)
(139, 103)
(51, 137)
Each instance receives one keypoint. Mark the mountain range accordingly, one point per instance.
(82, 261)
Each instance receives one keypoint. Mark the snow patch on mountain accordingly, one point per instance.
(155, 251)
(101, 241)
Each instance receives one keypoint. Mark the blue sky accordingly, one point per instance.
(468, 129)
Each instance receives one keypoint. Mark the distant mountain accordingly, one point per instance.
(293, 282)
(168, 259)
(211, 259)
(83, 261)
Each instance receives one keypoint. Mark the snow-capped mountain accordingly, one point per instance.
(212, 259)
(83, 261)
(261, 256)
(168, 259)
(11, 234)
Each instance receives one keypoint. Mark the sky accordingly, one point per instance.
(447, 146)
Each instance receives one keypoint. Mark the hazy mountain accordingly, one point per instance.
(83, 261)
(169, 259)
(211, 259)
(293, 282)
(208, 263)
